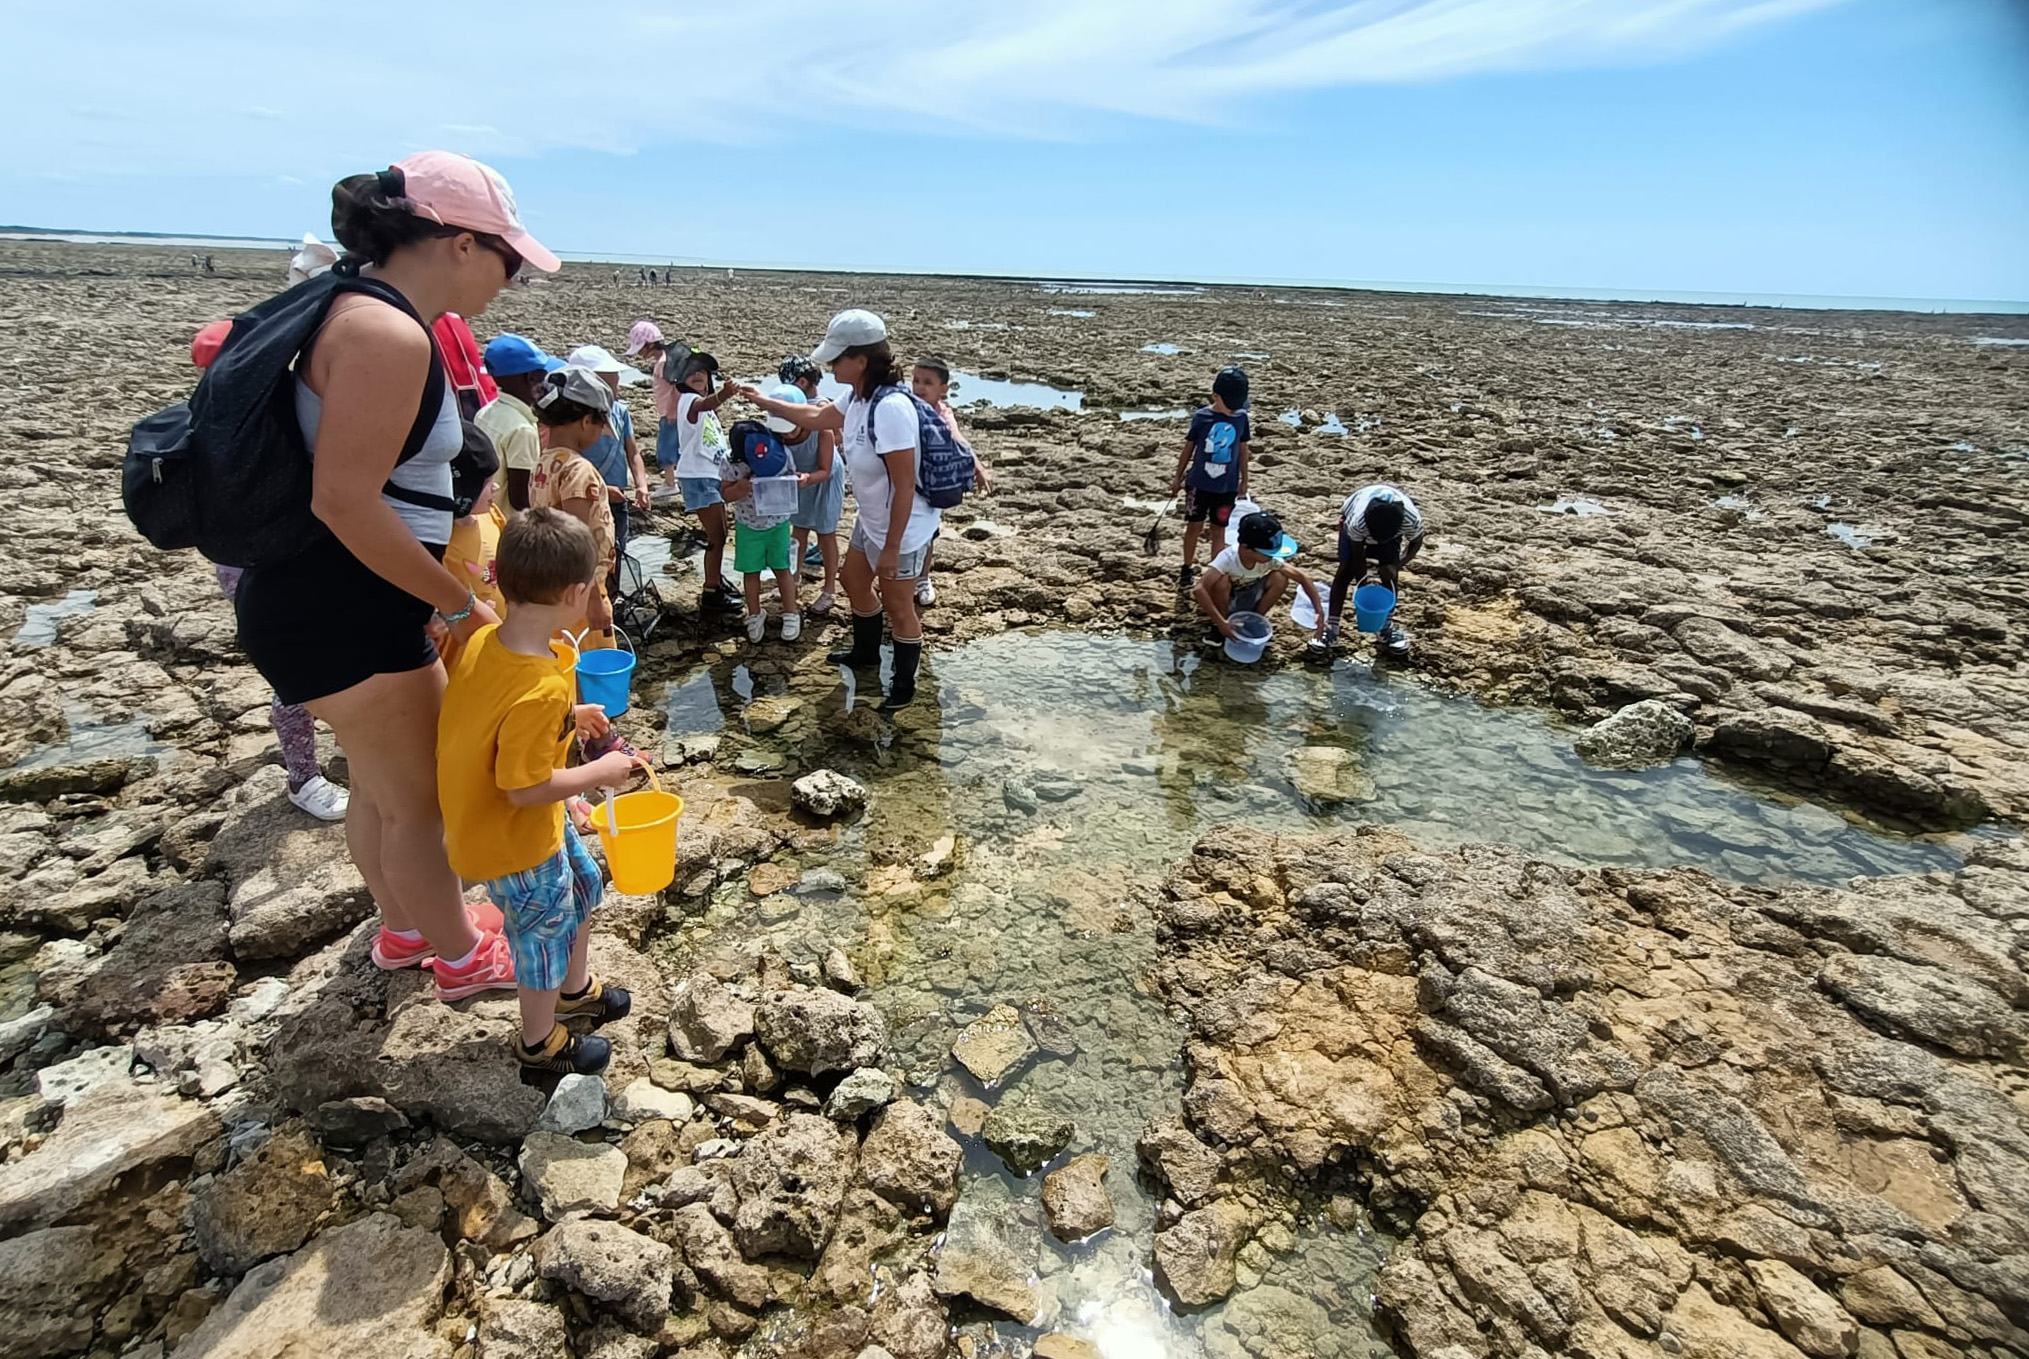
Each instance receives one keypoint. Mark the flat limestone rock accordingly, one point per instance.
(110, 1130)
(989, 1254)
(289, 881)
(564, 1175)
(994, 1045)
(371, 1287)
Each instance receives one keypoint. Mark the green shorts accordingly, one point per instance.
(761, 549)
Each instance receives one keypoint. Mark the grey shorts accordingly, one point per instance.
(908, 566)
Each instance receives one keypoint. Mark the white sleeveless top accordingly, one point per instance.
(429, 472)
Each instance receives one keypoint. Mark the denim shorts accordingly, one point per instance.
(698, 492)
(544, 908)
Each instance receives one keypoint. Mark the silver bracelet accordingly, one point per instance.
(452, 620)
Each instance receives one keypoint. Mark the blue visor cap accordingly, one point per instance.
(513, 355)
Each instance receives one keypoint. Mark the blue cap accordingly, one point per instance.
(513, 355)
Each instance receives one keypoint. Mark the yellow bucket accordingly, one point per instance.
(641, 848)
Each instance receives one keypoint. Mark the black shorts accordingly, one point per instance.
(1387, 553)
(321, 622)
(1202, 505)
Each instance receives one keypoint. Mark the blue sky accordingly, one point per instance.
(1856, 147)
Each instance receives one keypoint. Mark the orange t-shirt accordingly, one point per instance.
(563, 475)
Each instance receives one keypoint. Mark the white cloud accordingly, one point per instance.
(521, 77)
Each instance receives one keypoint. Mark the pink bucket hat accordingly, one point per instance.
(455, 190)
(642, 335)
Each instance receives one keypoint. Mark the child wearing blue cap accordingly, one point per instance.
(517, 366)
(1253, 575)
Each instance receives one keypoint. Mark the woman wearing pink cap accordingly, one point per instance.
(342, 627)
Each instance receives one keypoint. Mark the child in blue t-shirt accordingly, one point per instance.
(1212, 470)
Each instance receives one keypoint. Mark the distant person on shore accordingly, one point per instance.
(1378, 524)
(930, 380)
(821, 498)
(295, 729)
(517, 366)
(341, 627)
(509, 718)
(1212, 469)
(877, 422)
(572, 409)
(616, 454)
(1253, 575)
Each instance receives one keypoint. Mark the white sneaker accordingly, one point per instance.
(757, 626)
(822, 604)
(792, 626)
(322, 798)
(926, 593)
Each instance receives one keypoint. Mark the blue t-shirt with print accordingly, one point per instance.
(1215, 441)
(609, 454)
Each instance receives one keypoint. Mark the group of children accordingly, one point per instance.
(1378, 524)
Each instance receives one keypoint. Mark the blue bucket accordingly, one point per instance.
(604, 677)
(1371, 606)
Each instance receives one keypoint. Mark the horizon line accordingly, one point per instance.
(1957, 306)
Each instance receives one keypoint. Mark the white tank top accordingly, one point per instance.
(429, 472)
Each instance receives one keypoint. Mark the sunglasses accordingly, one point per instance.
(510, 258)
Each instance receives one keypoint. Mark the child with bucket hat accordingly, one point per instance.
(508, 720)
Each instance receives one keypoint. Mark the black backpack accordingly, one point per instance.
(228, 472)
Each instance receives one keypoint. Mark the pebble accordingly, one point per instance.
(578, 1104)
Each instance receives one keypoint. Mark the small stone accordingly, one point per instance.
(815, 1031)
(1195, 1257)
(939, 859)
(768, 712)
(706, 1019)
(578, 1104)
(1057, 790)
(1074, 1196)
(1641, 734)
(1806, 1314)
(1019, 797)
(1026, 1136)
(609, 1263)
(989, 1255)
(766, 879)
(1065, 1347)
(968, 1115)
(421, 1207)
(860, 1093)
(644, 1100)
(757, 1073)
(716, 1149)
(995, 1045)
(563, 1175)
(838, 971)
(266, 1205)
(909, 1160)
(821, 880)
(828, 793)
(1329, 775)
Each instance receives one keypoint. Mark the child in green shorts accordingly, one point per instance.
(761, 542)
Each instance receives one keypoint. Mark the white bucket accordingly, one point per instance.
(1255, 634)
(775, 497)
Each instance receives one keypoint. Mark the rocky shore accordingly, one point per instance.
(1609, 1112)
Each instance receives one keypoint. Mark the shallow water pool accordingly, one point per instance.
(43, 621)
(1072, 769)
(970, 389)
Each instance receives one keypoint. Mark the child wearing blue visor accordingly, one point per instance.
(1253, 575)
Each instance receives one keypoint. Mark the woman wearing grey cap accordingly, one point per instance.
(876, 423)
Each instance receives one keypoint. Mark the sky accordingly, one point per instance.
(1840, 147)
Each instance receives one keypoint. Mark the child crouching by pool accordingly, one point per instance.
(1253, 575)
(508, 719)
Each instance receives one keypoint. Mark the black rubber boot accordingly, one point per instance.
(902, 691)
(865, 650)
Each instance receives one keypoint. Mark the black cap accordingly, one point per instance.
(1230, 386)
(797, 368)
(472, 467)
(1260, 531)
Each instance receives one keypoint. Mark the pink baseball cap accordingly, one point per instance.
(642, 335)
(204, 348)
(455, 190)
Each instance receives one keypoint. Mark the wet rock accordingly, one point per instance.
(942, 857)
(1065, 1347)
(563, 1175)
(1329, 775)
(814, 1031)
(909, 1160)
(1194, 1257)
(1818, 1325)
(989, 1255)
(93, 777)
(816, 880)
(859, 1094)
(1047, 1027)
(1639, 735)
(52, 1283)
(791, 1180)
(769, 712)
(643, 1100)
(578, 1103)
(289, 881)
(995, 1045)
(1265, 1322)
(1074, 1196)
(1057, 789)
(109, 1132)
(968, 1115)
(391, 1281)
(357, 1121)
(1020, 797)
(520, 1328)
(838, 972)
(828, 793)
(765, 880)
(611, 1264)
(168, 966)
(1025, 1135)
(456, 1068)
(1177, 1158)
(265, 1206)
(706, 1019)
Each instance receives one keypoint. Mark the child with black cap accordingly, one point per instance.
(1381, 524)
(1212, 469)
(1253, 575)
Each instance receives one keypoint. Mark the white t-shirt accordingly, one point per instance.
(701, 443)
(1353, 514)
(1228, 563)
(894, 428)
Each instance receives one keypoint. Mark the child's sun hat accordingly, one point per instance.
(1263, 533)
(786, 392)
